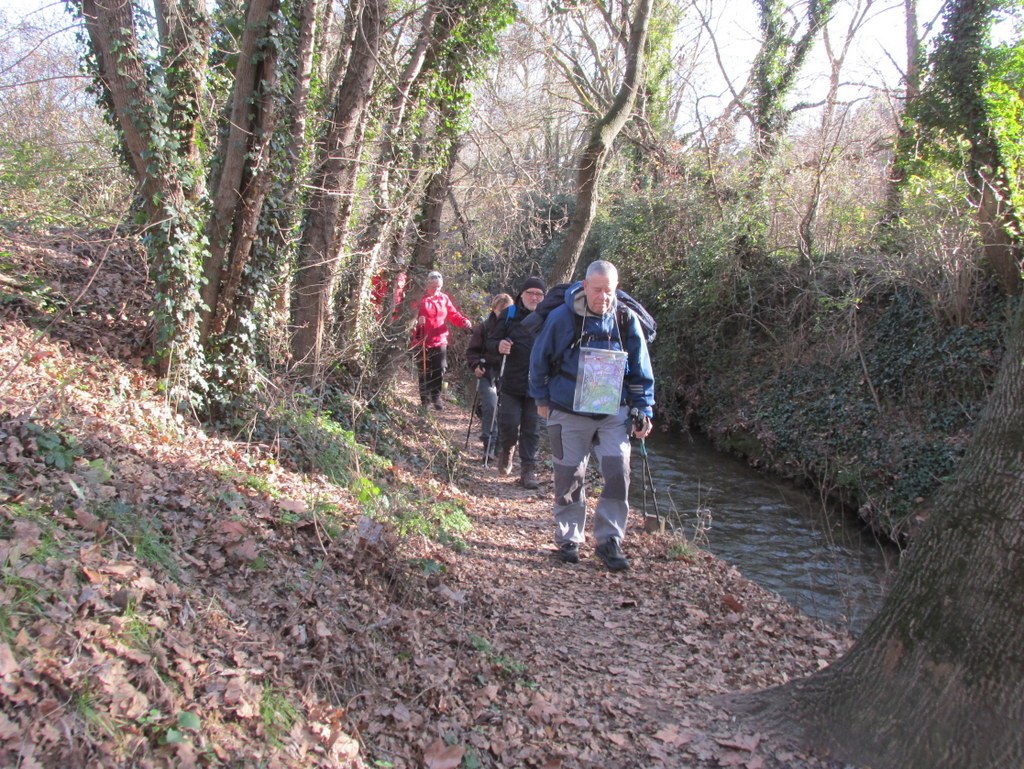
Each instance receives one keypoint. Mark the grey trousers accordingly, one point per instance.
(572, 437)
(488, 403)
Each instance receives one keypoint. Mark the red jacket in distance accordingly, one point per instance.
(436, 311)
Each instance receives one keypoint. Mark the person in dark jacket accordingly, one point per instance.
(485, 368)
(518, 423)
(430, 338)
(591, 377)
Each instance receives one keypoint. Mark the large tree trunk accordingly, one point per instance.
(286, 176)
(602, 136)
(242, 182)
(159, 140)
(333, 186)
(937, 680)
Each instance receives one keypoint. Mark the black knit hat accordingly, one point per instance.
(533, 282)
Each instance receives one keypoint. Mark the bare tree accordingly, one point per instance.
(602, 136)
(831, 125)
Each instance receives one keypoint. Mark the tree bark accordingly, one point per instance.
(383, 214)
(333, 186)
(602, 136)
(242, 182)
(903, 144)
(286, 177)
(159, 142)
(428, 226)
(937, 680)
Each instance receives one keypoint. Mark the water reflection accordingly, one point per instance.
(824, 563)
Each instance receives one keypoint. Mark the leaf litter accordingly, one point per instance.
(158, 612)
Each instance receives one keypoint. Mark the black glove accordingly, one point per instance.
(639, 419)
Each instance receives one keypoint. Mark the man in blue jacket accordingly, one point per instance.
(591, 376)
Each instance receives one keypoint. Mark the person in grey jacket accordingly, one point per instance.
(591, 376)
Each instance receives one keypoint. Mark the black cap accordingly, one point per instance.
(533, 282)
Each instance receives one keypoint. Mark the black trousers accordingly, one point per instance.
(518, 422)
(433, 364)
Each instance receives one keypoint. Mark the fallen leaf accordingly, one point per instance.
(732, 603)
(746, 742)
(293, 505)
(8, 664)
(441, 756)
(246, 550)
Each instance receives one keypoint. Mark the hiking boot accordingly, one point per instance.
(505, 461)
(612, 556)
(528, 478)
(437, 404)
(569, 552)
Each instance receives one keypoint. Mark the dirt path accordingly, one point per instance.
(594, 669)
(176, 579)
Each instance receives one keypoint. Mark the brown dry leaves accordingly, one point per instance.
(262, 640)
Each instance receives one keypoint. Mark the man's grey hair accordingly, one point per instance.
(605, 268)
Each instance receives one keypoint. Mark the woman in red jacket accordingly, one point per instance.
(430, 337)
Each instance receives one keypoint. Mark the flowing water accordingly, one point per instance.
(820, 560)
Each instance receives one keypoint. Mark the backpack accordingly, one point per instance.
(555, 297)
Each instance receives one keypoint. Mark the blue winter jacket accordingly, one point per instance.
(554, 360)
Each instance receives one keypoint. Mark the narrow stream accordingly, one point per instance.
(825, 563)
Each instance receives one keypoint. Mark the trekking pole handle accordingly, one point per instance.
(639, 419)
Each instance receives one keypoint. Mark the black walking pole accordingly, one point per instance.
(472, 410)
(494, 419)
(652, 523)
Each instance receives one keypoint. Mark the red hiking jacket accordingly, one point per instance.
(436, 311)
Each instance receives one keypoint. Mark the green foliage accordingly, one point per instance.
(159, 726)
(660, 64)
(27, 289)
(134, 630)
(506, 666)
(257, 483)
(970, 115)
(440, 521)
(1005, 109)
(317, 443)
(56, 448)
(277, 714)
(140, 533)
(682, 549)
